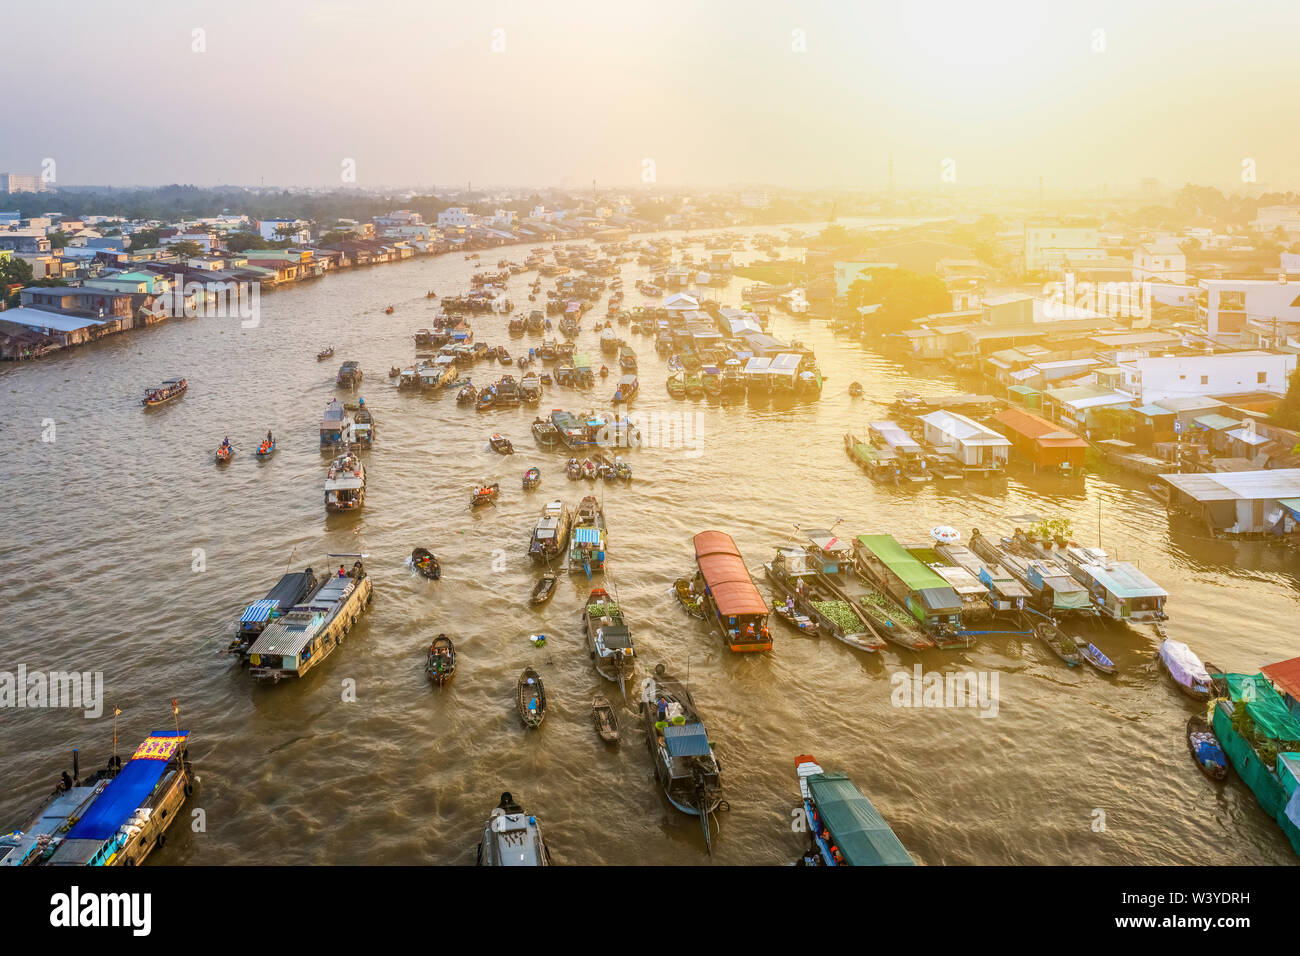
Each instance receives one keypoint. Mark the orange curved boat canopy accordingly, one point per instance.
(724, 571)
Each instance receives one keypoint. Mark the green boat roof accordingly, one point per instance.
(860, 832)
(1264, 704)
(912, 572)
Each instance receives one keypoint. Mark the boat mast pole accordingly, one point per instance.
(116, 711)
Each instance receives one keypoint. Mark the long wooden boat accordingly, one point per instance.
(604, 718)
(588, 538)
(1205, 748)
(808, 595)
(115, 817)
(440, 663)
(692, 603)
(1060, 643)
(349, 374)
(545, 434)
(734, 609)
(609, 639)
(345, 484)
(290, 590)
(544, 589)
(530, 698)
(883, 562)
(309, 632)
(846, 829)
(484, 494)
(550, 535)
(512, 837)
(1189, 674)
(685, 766)
(168, 391)
(1093, 656)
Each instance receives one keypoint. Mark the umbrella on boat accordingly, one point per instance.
(945, 534)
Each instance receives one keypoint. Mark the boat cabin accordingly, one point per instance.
(833, 553)
(732, 603)
(884, 562)
(1119, 590)
(335, 424)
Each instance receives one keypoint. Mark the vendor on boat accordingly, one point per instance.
(342, 572)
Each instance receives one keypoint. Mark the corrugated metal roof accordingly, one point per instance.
(686, 740)
(1264, 484)
(586, 536)
(258, 611)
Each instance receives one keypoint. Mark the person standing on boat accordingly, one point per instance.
(342, 572)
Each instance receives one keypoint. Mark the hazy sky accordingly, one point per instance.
(713, 91)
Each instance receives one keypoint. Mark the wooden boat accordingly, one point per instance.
(424, 563)
(388, 311)
(846, 829)
(266, 449)
(691, 603)
(224, 454)
(483, 494)
(394, 372)
(603, 716)
(532, 478)
(1092, 654)
(679, 746)
(609, 639)
(801, 622)
(545, 434)
(573, 468)
(487, 398)
(292, 589)
(1178, 660)
(115, 816)
(530, 698)
(503, 356)
(855, 389)
(440, 664)
(512, 837)
(468, 395)
(171, 389)
(1205, 748)
(307, 633)
(501, 445)
(677, 386)
(323, 354)
(544, 589)
(1062, 645)
(588, 469)
(349, 375)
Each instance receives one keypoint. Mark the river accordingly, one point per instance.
(125, 550)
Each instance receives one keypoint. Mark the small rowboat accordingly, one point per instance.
(501, 445)
(224, 454)
(532, 478)
(689, 601)
(323, 354)
(467, 395)
(796, 620)
(388, 311)
(1186, 669)
(573, 469)
(440, 665)
(431, 294)
(1061, 645)
(1205, 748)
(1092, 654)
(531, 698)
(394, 372)
(543, 589)
(484, 494)
(855, 389)
(588, 468)
(602, 715)
(266, 449)
(424, 563)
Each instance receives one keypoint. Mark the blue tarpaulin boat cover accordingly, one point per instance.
(586, 536)
(686, 740)
(128, 790)
(258, 611)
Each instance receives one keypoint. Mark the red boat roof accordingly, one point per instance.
(1285, 676)
(724, 571)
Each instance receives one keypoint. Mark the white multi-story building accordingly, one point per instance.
(20, 183)
(300, 235)
(454, 218)
(1249, 312)
(1269, 219)
(1159, 261)
(504, 219)
(1047, 246)
(1221, 375)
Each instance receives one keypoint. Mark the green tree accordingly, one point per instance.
(185, 249)
(243, 241)
(145, 239)
(14, 271)
(903, 296)
(1288, 412)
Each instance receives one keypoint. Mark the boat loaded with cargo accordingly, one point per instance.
(115, 817)
(846, 829)
(587, 539)
(307, 633)
(288, 592)
(609, 640)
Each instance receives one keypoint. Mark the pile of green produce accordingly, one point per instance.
(840, 614)
(600, 610)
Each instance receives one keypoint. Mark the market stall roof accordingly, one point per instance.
(1285, 676)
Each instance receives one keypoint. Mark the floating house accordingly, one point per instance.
(1042, 443)
(1250, 503)
(975, 446)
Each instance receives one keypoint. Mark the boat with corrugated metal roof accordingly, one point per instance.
(288, 591)
(846, 829)
(734, 609)
(309, 632)
(680, 749)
